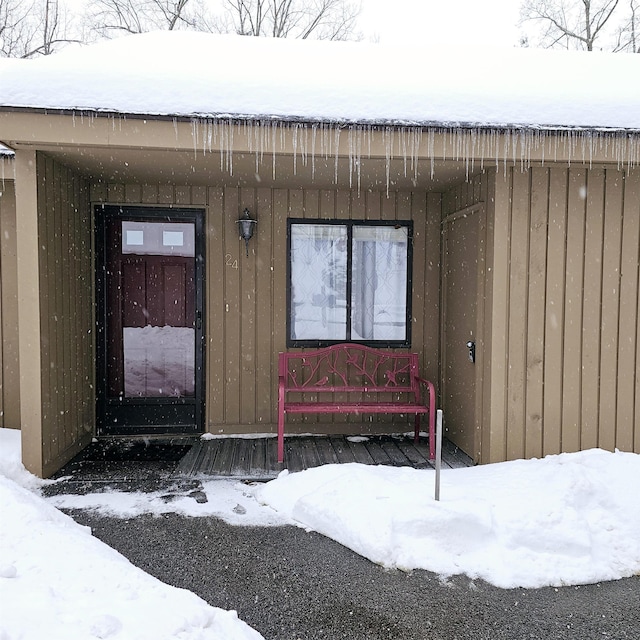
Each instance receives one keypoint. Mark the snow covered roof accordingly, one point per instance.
(189, 74)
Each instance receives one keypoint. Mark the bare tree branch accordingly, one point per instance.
(32, 27)
(106, 18)
(320, 19)
(570, 23)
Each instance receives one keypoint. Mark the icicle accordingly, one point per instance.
(336, 154)
(273, 132)
(388, 153)
(314, 134)
(194, 136)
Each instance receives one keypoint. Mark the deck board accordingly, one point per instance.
(256, 458)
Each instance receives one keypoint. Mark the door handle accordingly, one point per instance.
(471, 345)
(198, 320)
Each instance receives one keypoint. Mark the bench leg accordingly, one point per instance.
(280, 435)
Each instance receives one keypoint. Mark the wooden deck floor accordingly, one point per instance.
(256, 458)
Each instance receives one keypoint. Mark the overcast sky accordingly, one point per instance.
(470, 22)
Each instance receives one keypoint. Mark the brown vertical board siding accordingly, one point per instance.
(99, 193)
(115, 192)
(389, 207)
(67, 377)
(358, 205)
(427, 314)
(554, 311)
(166, 194)
(517, 313)
(215, 379)
(78, 311)
(9, 305)
(610, 323)
(183, 196)
(248, 317)
(199, 196)
(536, 305)
(573, 310)
(496, 415)
(592, 307)
(149, 194)
(232, 319)
(484, 374)
(132, 193)
(374, 205)
(480, 333)
(343, 204)
(4, 213)
(65, 326)
(265, 361)
(279, 211)
(628, 374)
(48, 310)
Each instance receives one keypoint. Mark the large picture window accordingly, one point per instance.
(349, 281)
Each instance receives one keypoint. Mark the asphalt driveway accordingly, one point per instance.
(289, 584)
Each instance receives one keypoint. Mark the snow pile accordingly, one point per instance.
(197, 74)
(58, 581)
(566, 519)
(11, 466)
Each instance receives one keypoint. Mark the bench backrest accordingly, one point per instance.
(348, 367)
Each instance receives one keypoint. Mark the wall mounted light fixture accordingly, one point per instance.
(246, 227)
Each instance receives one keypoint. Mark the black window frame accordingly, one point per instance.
(350, 224)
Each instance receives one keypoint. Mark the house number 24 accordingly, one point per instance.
(230, 262)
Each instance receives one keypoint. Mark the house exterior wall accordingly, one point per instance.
(558, 365)
(246, 297)
(10, 361)
(67, 353)
(565, 346)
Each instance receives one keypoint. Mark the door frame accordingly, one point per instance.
(478, 209)
(160, 415)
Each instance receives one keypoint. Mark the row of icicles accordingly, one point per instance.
(415, 146)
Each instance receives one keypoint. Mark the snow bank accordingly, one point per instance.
(197, 74)
(58, 581)
(11, 460)
(566, 519)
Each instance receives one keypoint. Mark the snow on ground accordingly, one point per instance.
(565, 519)
(58, 581)
(562, 520)
(184, 73)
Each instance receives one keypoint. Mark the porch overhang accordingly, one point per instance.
(108, 147)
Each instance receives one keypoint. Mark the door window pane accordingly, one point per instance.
(158, 361)
(158, 238)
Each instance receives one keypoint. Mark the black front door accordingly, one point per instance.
(150, 272)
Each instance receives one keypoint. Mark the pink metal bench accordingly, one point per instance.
(353, 379)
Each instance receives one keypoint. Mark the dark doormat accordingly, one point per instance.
(128, 464)
(123, 450)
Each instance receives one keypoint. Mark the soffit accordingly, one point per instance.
(241, 169)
